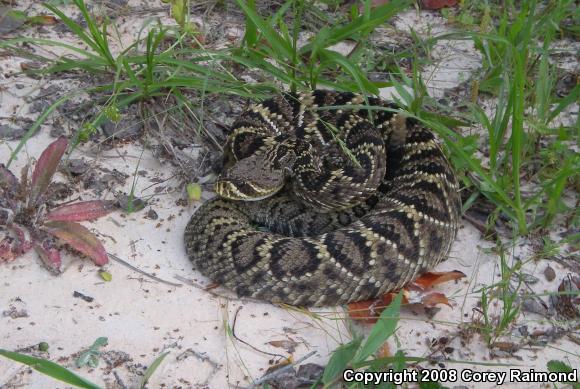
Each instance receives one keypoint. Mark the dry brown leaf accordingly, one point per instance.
(282, 363)
(417, 292)
(45, 20)
(287, 344)
(431, 279)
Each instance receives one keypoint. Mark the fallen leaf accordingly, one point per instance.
(549, 273)
(106, 276)
(287, 344)
(368, 311)
(429, 279)
(30, 66)
(46, 167)
(416, 292)
(79, 238)
(85, 210)
(564, 302)
(506, 346)
(534, 304)
(431, 299)
(193, 191)
(280, 364)
(43, 20)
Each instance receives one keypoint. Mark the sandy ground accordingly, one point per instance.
(142, 318)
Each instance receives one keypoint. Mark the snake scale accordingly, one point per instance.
(344, 206)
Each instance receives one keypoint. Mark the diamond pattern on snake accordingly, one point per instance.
(321, 204)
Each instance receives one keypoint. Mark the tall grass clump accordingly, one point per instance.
(524, 142)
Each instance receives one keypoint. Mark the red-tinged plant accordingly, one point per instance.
(25, 222)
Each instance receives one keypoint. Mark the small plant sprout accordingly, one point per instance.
(90, 357)
(26, 222)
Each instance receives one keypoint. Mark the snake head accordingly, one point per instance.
(251, 179)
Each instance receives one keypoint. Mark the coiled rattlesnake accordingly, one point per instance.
(346, 209)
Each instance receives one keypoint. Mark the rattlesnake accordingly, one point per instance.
(347, 209)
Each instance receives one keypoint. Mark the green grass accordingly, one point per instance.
(514, 42)
(516, 71)
(65, 375)
(495, 325)
(50, 369)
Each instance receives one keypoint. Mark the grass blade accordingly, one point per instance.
(50, 369)
(279, 45)
(151, 369)
(251, 35)
(517, 137)
(36, 125)
(332, 57)
(339, 360)
(360, 25)
(382, 330)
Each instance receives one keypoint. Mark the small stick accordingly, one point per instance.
(246, 343)
(127, 264)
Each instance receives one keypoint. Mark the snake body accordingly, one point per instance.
(361, 207)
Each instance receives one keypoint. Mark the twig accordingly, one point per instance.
(246, 343)
(279, 371)
(127, 264)
(209, 289)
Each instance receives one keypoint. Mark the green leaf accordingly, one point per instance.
(50, 369)
(555, 366)
(106, 276)
(382, 330)
(251, 35)
(333, 57)
(90, 357)
(151, 369)
(340, 359)
(193, 191)
(558, 367)
(178, 9)
(73, 26)
(361, 25)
